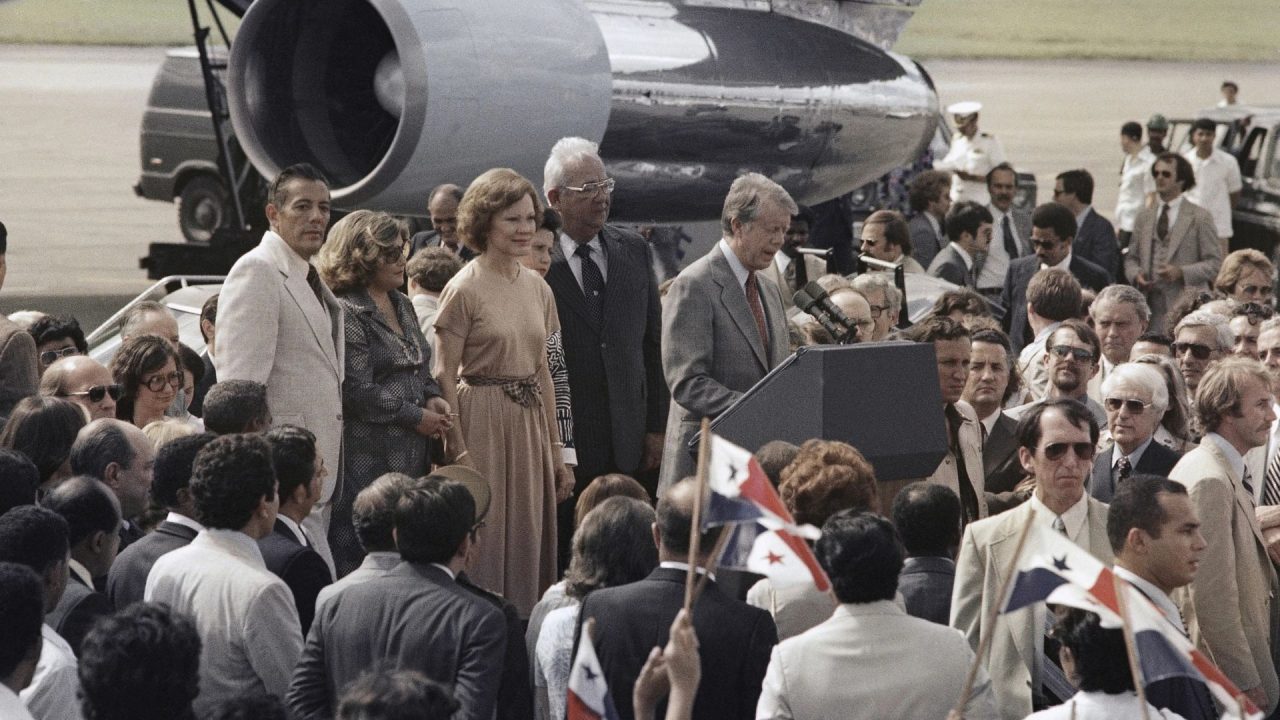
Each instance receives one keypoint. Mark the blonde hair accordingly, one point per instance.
(161, 432)
(1221, 390)
(489, 194)
(1236, 264)
(357, 246)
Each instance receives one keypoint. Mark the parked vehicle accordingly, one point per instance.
(184, 295)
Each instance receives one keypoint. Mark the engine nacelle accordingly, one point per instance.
(392, 97)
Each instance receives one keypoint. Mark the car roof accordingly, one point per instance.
(1265, 114)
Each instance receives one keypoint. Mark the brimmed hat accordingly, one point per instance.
(474, 482)
(1158, 122)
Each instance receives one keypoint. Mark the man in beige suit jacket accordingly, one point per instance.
(280, 326)
(1228, 608)
(1056, 443)
(1190, 255)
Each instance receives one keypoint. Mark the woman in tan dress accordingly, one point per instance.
(492, 330)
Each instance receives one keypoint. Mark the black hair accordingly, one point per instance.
(1079, 183)
(1002, 167)
(934, 328)
(33, 536)
(612, 546)
(432, 518)
(966, 217)
(101, 445)
(304, 171)
(774, 456)
(551, 222)
(230, 477)
(675, 522)
(927, 516)
(862, 555)
(254, 706)
(1056, 217)
(1132, 130)
(1182, 170)
(4, 239)
(804, 214)
(1029, 431)
(48, 328)
(1101, 658)
(44, 429)
(142, 663)
(87, 505)
(209, 311)
(293, 453)
(19, 480)
(391, 694)
(1204, 124)
(174, 461)
(231, 406)
(1137, 505)
(22, 607)
(1155, 338)
(190, 361)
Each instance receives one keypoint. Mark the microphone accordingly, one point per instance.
(813, 299)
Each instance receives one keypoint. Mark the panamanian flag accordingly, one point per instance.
(588, 697)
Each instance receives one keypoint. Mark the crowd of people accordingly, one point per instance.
(409, 475)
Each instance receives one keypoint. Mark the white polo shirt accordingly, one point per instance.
(1135, 184)
(1217, 176)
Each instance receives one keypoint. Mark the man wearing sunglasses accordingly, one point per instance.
(1136, 398)
(1229, 603)
(1199, 339)
(1070, 361)
(1056, 441)
(1174, 245)
(84, 381)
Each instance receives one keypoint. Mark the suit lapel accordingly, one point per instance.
(1101, 477)
(565, 286)
(303, 297)
(1242, 498)
(1001, 553)
(734, 299)
(1178, 232)
(620, 287)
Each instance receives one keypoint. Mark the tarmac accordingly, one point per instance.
(69, 150)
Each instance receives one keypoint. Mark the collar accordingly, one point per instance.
(684, 568)
(1043, 335)
(1064, 265)
(81, 572)
(1153, 593)
(1173, 204)
(1081, 216)
(293, 261)
(569, 246)
(782, 260)
(380, 559)
(964, 254)
(232, 542)
(875, 607)
(998, 215)
(1133, 456)
(933, 222)
(180, 519)
(740, 271)
(294, 528)
(928, 562)
(452, 575)
(989, 422)
(1233, 456)
(1075, 518)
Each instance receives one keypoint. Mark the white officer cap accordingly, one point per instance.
(968, 107)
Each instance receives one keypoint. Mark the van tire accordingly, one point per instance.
(204, 205)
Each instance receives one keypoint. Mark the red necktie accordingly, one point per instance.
(757, 310)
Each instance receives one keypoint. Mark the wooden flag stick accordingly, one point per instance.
(984, 641)
(695, 529)
(1122, 603)
(721, 541)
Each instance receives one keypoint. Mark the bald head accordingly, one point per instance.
(675, 521)
(118, 454)
(84, 381)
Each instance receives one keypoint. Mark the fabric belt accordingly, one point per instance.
(524, 391)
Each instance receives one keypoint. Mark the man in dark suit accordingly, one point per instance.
(118, 454)
(287, 551)
(1052, 229)
(630, 620)
(170, 489)
(930, 197)
(208, 331)
(723, 325)
(611, 324)
(969, 232)
(93, 517)
(1095, 238)
(991, 383)
(1135, 397)
(458, 638)
(442, 208)
(928, 520)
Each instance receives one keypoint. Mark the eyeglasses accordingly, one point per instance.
(593, 188)
(876, 310)
(1133, 405)
(1198, 351)
(49, 357)
(156, 383)
(394, 256)
(1066, 351)
(97, 392)
(1056, 451)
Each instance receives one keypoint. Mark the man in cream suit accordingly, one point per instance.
(1056, 445)
(280, 326)
(1229, 607)
(906, 667)
(1174, 244)
(723, 325)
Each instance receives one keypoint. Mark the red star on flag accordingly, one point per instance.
(774, 558)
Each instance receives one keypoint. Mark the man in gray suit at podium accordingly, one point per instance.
(723, 325)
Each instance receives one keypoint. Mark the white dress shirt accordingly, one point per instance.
(1217, 176)
(1076, 518)
(1157, 596)
(740, 271)
(52, 692)
(569, 246)
(1230, 454)
(11, 707)
(1117, 453)
(1174, 206)
(294, 528)
(180, 519)
(1136, 184)
(996, 265)
(1102, 706)
(1064, 264)
(964, 255)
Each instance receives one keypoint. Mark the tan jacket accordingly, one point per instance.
(946, 473)
(1193, 246)
(1228, 608)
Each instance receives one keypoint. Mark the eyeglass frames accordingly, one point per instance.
(1133, 405)
(97, 392)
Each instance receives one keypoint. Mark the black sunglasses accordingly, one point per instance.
(1056, 451)
(49, 357)
(1079, 354)
(97, 392)
(1133, 405)
(1198, 351)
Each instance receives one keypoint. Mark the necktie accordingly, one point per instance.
(757, 310)
(1124, 469)
(313, 279)
(1162, 224)
(1059, 526)
(968, 498)
(1010, 245)
(1247, 481)
(592, 285)
(1271, 490)
(1054, 686)
(801, 272)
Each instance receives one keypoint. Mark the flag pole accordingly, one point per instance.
(984, 641)
(1130, 645)
(695, 527)
(721, 541)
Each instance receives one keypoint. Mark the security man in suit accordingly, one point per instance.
(969, 230)
(723, 325)
(1095, 235)
(93, 516)
(1010, 231)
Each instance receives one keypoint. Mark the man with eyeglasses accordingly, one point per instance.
(1174, 245)
(1057, 439)
(1136, 398)
(1200, 338)
(1229, 602)
(84, 381)
(885, 300)
(1070, 361)
(57, 337)
(886, 236)
(611, 325)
